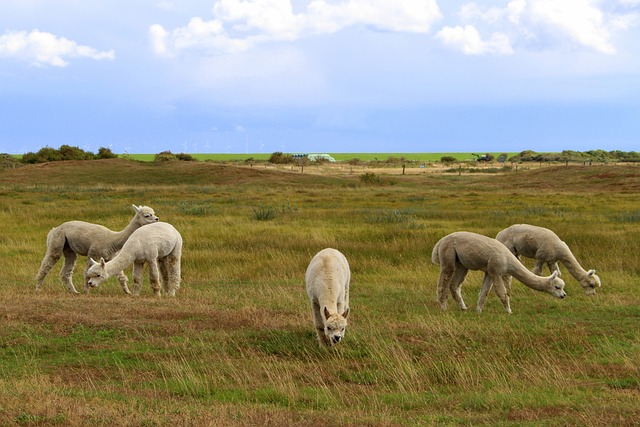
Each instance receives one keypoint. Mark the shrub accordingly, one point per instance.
(370, 178)
(69, 152)
(185, 157)
(165, 156)
(280, 158)
(49, 154)
(264, 213)
(106, 153)
(8, 161)
(448, 159)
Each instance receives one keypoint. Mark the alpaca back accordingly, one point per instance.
(531, 241)
(153, 241)
(327, 279)
(80, 236)
(473, 251)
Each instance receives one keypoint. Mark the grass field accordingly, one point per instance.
(367, 157)
(236, 347)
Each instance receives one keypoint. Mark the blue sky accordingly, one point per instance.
(258, 76)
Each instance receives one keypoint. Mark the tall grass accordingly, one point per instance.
(237, 346)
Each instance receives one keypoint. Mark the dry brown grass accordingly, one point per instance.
(236, 347)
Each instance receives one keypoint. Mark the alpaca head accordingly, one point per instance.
(335, 326)
(144, 215)
(590, 282)
(556, 286)
(96, 274)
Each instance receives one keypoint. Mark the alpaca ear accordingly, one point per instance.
(591, 273)
(326, 312)
(554, 275)
(92, 262)
(135, 208)
(102, 262)
(346, 313)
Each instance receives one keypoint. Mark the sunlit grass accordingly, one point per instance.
(237, 347)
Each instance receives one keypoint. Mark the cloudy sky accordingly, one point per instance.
(258, 76)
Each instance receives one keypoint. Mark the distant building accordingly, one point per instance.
(314, 157)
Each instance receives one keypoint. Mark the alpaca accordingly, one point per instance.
(546, 247)
(159, 245)
(459, 252)
(327, 281)
(75, 238)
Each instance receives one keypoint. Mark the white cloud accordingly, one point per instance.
(468, 40)
(238, 25)
(580, 20)
(415, 16)
(544, 24)
(42, 48)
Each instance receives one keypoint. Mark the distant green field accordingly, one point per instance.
(427, 157)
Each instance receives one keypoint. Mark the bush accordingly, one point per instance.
(448, 159)
(106, 153)
(280, 158)
(49, 154)
(185, 157)
(8, 161)
(165, 156)
(69, 152)
(370, 178)
(264, 213)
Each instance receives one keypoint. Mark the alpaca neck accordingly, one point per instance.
(529, 279)
(121, 237)
(572, 264)
(119, 263)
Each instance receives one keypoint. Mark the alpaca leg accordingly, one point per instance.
(537, 269)
(553, 266)
(66, 274)
(444, 279)
(164, 266)
(138, 269)
(487, 284)
(319, 325)
(459, 274)
(124, 280)
(501, 290)
(55, 244)
(172, 265)
(49, 260)
(154, 277)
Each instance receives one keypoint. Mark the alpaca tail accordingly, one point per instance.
(50, 235)
(435, 257)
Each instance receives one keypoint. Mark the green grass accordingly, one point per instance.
(237, 346)
(367, 157)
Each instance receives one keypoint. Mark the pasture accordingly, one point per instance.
(236, 347)
(367, 157)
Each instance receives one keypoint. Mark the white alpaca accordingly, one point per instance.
(459, 252)
(546, 247)
(327, 280)
(75, 238)
(159, 245)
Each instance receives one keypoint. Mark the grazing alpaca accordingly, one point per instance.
(75, 238)
(546, 247)
(327, 281)
(462, 251)
(158, 244)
